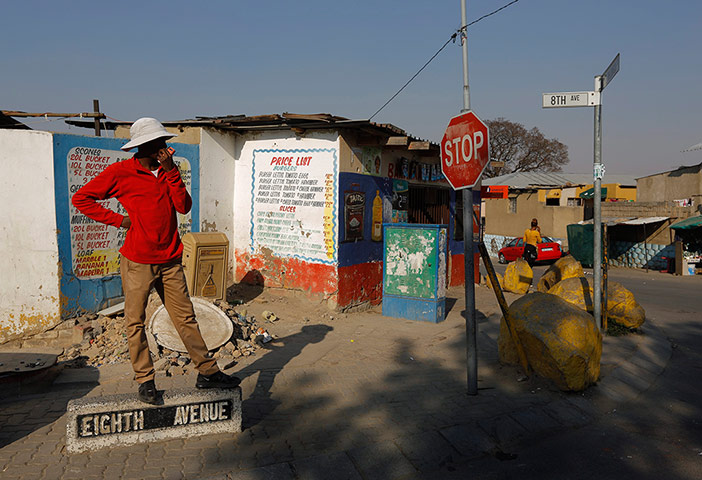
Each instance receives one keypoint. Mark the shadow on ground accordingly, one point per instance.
(30, 403)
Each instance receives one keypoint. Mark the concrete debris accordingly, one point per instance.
(101, 340)
(270, 316)
(117, 309)
(98, 340)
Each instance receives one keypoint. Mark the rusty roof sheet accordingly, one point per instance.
(274, 121)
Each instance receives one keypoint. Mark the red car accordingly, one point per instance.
(546, 251)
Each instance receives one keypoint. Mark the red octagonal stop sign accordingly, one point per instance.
(464, 150)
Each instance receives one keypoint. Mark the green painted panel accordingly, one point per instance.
(411, 262)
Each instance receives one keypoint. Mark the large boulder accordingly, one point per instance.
(575, 290)
(566, 267)
(518, 277)
(561, 342)
(621, 305)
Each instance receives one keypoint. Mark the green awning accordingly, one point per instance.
(688, 223)
(590, 193)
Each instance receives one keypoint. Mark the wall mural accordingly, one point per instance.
(95, 246)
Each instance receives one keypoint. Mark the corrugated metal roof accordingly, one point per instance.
(554, 179)
(614, 221)
(11, 123)
(275, 121)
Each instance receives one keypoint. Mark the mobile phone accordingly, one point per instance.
(171, 150)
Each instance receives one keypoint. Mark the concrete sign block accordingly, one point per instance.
(121, 420)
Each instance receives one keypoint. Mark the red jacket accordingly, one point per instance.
(151, 204)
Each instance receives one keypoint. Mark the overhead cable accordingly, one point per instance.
(461, 31)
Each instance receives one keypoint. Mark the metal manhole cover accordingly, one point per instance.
(215, 326)
(23, 362)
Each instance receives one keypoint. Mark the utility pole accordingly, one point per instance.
(471, 324)
(96, 109)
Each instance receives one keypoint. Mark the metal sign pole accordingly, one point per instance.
(591, 99)
(471, 324)
(597, 217)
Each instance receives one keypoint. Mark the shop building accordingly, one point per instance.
(308, 196)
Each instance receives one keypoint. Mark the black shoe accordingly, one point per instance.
(148, 392)
(217, 380)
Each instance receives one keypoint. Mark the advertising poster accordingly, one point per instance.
(354, 211)
(400, 201)
(95, 246)
(294, 203)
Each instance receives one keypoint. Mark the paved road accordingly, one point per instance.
(659, 433)
(364, 396)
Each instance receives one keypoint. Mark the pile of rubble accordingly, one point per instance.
(101, 340)
(97, 340)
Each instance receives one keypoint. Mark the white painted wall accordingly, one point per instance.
(29, 270)
(217, 166)
(245, 146)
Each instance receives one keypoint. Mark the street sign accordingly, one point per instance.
(464, 150)
(569, 99)
(611, 71)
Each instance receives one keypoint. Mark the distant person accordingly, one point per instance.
(532, 236)
(150, 189)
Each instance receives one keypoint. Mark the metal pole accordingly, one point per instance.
(597, 217)
(464, 49)
(605, 278)
(96, 109)
(471, 324)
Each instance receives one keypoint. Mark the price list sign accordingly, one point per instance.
(294, 200)
(95, 246)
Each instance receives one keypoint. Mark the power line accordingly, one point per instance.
(461, 30)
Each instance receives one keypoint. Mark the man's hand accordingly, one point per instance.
(126, 223)
(165, 159)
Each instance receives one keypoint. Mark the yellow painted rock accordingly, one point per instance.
(518, 276)
(621, 304)
(566, 267)
(622, 307)
(575, 290)
(561, 342)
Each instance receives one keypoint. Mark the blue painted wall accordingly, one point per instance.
(366, 250)
(80, 295)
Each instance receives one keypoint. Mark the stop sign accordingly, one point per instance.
(464, 150)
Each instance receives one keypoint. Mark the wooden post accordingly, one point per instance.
(503, 306)
(96, 109)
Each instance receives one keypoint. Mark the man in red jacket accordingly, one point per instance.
(150, 189)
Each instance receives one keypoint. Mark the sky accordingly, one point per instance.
(180, 59)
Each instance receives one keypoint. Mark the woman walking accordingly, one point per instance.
(532, 236)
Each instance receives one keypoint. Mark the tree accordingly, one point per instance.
(523, 150)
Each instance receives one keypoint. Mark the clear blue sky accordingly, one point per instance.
(179, 59)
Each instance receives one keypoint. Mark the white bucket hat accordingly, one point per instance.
(144, 130)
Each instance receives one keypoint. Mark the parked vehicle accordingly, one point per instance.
(546, 251)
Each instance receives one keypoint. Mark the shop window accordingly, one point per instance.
(428, 205)
(575, 202)
(554, 202)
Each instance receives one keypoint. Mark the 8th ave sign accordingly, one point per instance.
(464, 150)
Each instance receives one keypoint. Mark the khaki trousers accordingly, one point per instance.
(169, 281)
